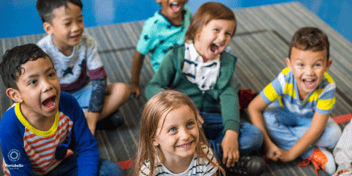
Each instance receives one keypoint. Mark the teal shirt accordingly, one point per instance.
(159, 35)
(222, 99)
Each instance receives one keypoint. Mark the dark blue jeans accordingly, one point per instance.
(69, 167)
(250, 137)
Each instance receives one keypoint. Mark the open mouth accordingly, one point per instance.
(175, 7)
(76, 37)
(309, 83)
(214, 48)
(50, 103)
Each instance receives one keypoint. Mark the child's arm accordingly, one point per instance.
(11, 138)
(317, 127)
(231, 122)
(255, 113)
(136, 70)
(163, 77)
(85, 144)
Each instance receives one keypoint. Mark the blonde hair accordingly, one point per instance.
(205, 13)
(159, 105)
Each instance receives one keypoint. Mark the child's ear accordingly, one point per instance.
(155, 143)
(288, 63)
(328, 65)
(14, 94)
(48, 28)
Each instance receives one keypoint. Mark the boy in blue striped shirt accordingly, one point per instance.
(297, 122)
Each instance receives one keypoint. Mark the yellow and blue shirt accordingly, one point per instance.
(284, 89)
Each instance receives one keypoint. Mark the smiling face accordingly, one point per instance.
(172, 10)
(308, 68)
(178, 137)
(214, 37)
(38, 89)
(66, 28)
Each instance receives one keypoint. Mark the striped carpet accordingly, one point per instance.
(260, 43)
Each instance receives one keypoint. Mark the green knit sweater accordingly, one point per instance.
(222, 99)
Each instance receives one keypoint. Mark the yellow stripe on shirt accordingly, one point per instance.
(326, 104)
(290, 90)
(285, 71)
(270, 93)
(328, 77)
(315, 95)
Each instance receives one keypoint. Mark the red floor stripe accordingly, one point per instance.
(343, 118)
(127, 164)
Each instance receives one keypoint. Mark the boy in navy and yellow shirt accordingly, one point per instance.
(45, 132)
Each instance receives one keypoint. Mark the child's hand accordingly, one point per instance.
(285, 155)
(273, 152)
(134, 90)
(230, 148)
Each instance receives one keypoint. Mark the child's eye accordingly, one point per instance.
(317, 65)
(300, 64)
(32, 82)
(216, 30)
(67, 24)
(51, 75)
(172, 129)
(190, 124)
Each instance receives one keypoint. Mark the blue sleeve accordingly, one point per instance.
(11, 137)
(85, 143)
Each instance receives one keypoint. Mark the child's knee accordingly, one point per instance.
(258, 138)
(253, 139)
(331, 135)
(335, 136)
(109, 168)
(119, 88)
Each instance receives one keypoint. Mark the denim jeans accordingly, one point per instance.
(69, 167)
(250, 137)
(285, 129)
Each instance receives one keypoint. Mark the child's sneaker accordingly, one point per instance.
(321, 159)
(111, 122)
(247, 165)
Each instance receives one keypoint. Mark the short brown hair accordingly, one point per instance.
(310, 38)
(205, 13)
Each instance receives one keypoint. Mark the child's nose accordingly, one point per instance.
(47, 85)
(222, 37)
(309, 71)
(76, 27)
(185, 134)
